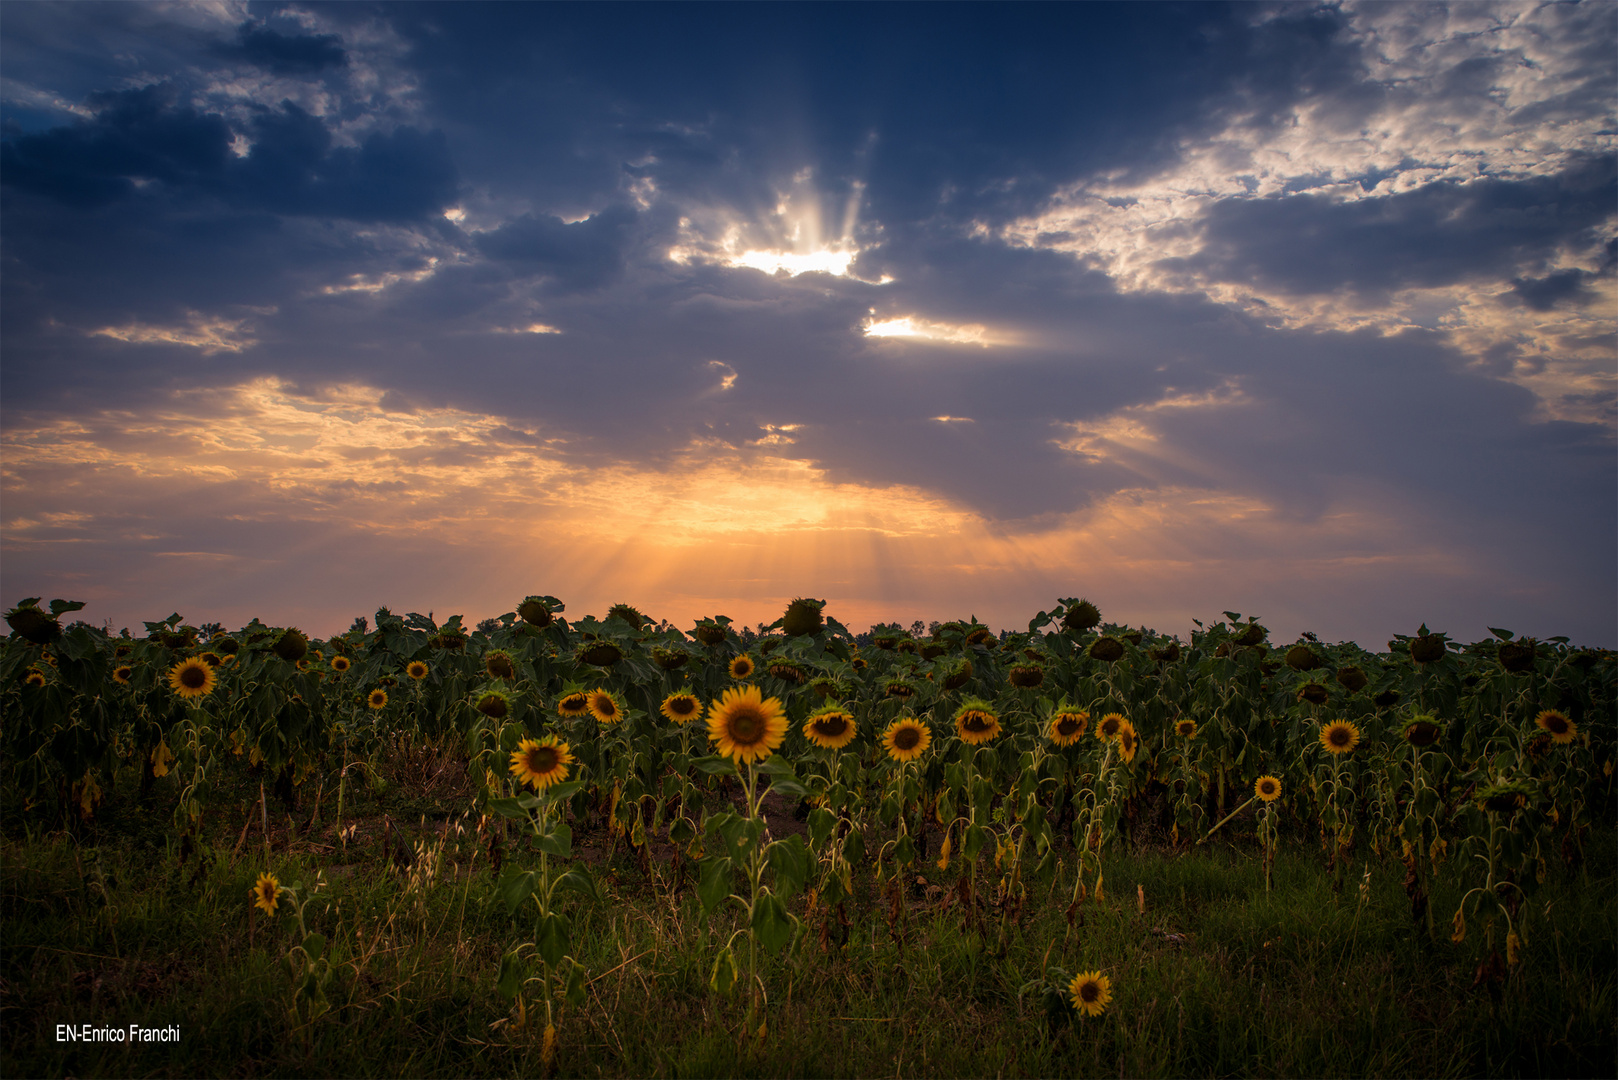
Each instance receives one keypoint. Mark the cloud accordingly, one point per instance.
(578, 256)
(287, 54)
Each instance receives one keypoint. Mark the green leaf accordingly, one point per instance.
(714, 766)
(973, 843)
(723, 979)
(772, 926)
(580, 880)
(512, 974)
(714, 886)
(774, 766)
(821, 824)
(315, 946)
(508, 808)
(555, 931)
(788, 786)
(1503, 635)
(558, 841)
(576, 984)
(517, 885)
(792, 863)
(560, 792)
(904, 852)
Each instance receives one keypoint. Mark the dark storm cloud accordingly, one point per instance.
(1438, 234)
(287, 54)
(579, 255)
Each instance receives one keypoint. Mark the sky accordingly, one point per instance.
(1305, 311)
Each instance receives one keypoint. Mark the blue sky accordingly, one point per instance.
(1301, 310)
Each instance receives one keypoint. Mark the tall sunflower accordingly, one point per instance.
(1110, 726)
(831, 727)
(976, 722)
(1128, 741)
(745, 725)
(906, 739)
(742, 667)
(265, 893)
(499, 665)
(1561, 729)
(377, 699)
(573, 705)
(605, 706)
(494, 704)
(1339, 736)
(341, 664)
(416, 669)
(191, 678)
(682, 707)
(541, 763)
(1068, 727)
(1267, 788)
(1091, 992)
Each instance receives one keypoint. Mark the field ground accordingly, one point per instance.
(1211, 975)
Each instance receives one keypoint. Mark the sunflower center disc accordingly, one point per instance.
(906, 738)
(747, 727)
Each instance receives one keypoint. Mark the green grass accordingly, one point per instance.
(1216, 977)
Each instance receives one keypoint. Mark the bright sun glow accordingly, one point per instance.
(825, 261)
(909, 326)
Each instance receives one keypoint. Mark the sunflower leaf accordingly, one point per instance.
(792, 863)
(714, 766)
(579, 880)
(559, 792)
(714, 887)
(772, 925)
(557, 840)
(508, 808)
(517, 885)
(555, 931)
(821, 823)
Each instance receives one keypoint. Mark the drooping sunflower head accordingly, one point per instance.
(36, 679)
(981, 636)
(1185, 728)
(1107, 649)
(788, 672)
(573, 705)
(494, 704)
(628, 613)
(122, 674)
(1110, 725)
(341, 664)
(682, 707)
(709, 632)
(1426, 648)
(377, 699)
(1027, 675)
(1422, 731)
(535, 611)
(1504, 797)
(742, 667)
(1165, 654)
(416, 669)
(265, 893)
(1081, 616)
(1068, 726)
(745, 725)
(803, 616)
(191, 678)
(1128, 741)
(291, 646)
(906, 739)
(33, 624)
(859, 663)
(499, 665)
(670, 659)
(1314, 693)
(225, 646)
(902, 689)
(1302, 658)
(1268, 788)
(1339, 736)
(600, 653)
(1517, 657)
(1091, 991)
(540, 763)
(1561, 729)
(976, 722)
(605, 706)
(831, 727)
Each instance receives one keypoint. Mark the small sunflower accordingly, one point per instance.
(682, 707)
(1186, 728)
(605, 706)
(540, 763)
(742, 667)
(573, 705)
(1110, 725)
(35, 679)
(499, 665)
(745, 725)
(377, 698)
(265, 893)
(191, 678)
(976, 722)
(122, 674)
(831, 727)
(1068, 727)
(341, 663)
(1267, 788)
(1128, 741)
(416, 669)
(859, 663)
(1339, 736)
(1091, 991)
(906, 739)
(1561, 729)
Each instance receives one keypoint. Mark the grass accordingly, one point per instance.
(1214, 977)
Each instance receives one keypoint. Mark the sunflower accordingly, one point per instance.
(741, 667)
(265, 893)
(1186, 728)
(377, 699)
(1268, 788)
(1422, 731)
(1110, 725)
(906, 739)
(681, 706)
(493, 704)
(858, 663)
(541, 763)
(573, 705)
(122, 673)
(1562, 730)
(745, 725)
(416, 669)
(1091, 992)
(604, 705)
(976, 722)
(35, 678)
(1068, 727)
(341, 663)
(499, 665)
(831, 727)
(191, 678)
(1128, 741)
(209, 658)
(899, 688)
(1339, 736)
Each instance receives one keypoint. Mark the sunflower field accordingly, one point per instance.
(787, 821)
